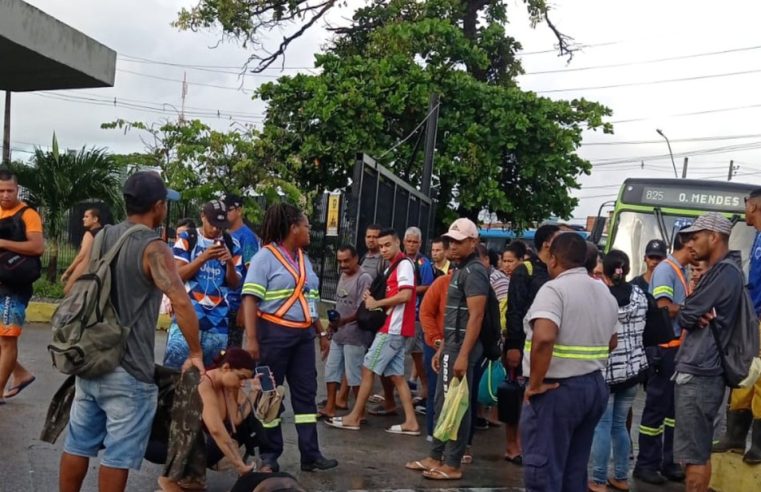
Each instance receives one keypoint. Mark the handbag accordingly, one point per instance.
(510, 398)
(456, 404)
(487, 389)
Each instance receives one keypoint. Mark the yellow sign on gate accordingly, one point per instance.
(334, 205)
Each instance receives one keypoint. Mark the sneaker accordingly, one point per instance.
(420, 410)
(412, 385)
(429, 438)
(649, 476)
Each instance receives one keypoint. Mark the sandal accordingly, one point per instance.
(436, 474)
(516, 460)
(416, 466)
(397, 429)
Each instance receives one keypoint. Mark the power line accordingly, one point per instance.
(168, 79)
(645, 62)
(693, 113)
(673, 140)
(413, 131)
(651, 82)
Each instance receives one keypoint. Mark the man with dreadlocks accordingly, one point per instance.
(280, 311)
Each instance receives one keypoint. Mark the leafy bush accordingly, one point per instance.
(48, 290)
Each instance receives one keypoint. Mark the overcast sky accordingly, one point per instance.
(624, 34)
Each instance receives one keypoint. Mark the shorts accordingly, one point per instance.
(414, 345)
(386, 355)
(114, 412)
(177, 350)
(13, 310)
(344, 359)
(697, 402)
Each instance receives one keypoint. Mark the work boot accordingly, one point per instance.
(753, 456)
(733, 440)
(649, 476)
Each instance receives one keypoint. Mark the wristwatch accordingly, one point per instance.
(323, 334)
(437, 343)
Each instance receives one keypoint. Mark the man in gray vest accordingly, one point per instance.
(114, 412)
(570, 328)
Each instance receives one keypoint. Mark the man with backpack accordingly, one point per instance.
(386, 354)
(467, 296)
(709, 315)
(114, 411)
(211, 265)
(20, 234)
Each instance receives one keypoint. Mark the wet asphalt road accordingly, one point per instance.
(370, 459)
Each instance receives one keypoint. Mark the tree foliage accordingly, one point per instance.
(499, 147)
(204, 163)
(57, 181)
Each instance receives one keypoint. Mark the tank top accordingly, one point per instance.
(135, 298)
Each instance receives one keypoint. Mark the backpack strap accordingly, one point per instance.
(109, 256)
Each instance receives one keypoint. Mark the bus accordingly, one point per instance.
(498, 239)
(649, 209)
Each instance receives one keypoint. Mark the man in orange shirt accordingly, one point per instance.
(23, 237)
(432, 310)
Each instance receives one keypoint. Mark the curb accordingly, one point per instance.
(42, 312)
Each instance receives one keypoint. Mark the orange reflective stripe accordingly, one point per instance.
(298, 292)
(680, 275)
(284, 322)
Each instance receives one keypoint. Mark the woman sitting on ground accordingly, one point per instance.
(217, 421)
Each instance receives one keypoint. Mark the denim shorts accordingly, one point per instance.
(114, 412)
(697, 400)
(344, 359)
(13, 312)
(386, 355)
(177, 350)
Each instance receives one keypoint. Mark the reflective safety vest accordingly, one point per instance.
(677, 342)
(297, 295)
(577, 352)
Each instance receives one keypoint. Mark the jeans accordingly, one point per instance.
(430, 404)
(611, 431)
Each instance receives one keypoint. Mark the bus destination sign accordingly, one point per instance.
(688, 197)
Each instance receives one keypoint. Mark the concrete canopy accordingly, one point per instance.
(39, 52)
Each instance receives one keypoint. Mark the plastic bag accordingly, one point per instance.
(487, 388)
(456, 404)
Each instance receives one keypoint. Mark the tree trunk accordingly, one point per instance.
(52, 274)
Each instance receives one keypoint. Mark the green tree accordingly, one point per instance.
(57, 181)
(499, 148)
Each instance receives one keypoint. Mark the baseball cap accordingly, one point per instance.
(215, 212)
(711, 221)
(656, 247)
(462, 229)
(148, 187)
(233, 201)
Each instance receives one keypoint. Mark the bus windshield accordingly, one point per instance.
(635, 229)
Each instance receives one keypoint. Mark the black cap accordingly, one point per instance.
(147, 187)
(233, 201)
(656, 247)
(216, 213)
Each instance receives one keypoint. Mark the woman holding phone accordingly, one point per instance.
(280, 298)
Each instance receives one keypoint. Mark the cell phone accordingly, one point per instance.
(266, 379)
(218, 242)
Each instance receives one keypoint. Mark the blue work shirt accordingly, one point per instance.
(666, 284)
(425, 277)
(754, 275)
(249, 245)
(269, 281)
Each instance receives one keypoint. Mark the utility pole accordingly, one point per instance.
(431, 127)
(731, 170)
(684, 168)
(184, 95)
(7, 129)
(671, 154)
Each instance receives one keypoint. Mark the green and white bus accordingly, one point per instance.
(649, 209)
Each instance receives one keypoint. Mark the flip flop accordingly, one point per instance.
(416, 466)
(338, 424)
(397, 429)
(14, 391)
(376, 399)
(437, 474)
(382, 412)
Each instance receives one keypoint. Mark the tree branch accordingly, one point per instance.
(566, 44)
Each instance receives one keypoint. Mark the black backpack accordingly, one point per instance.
(491, 328)
(17, 270)
(372, 320)
(738, 344)
(658, 326)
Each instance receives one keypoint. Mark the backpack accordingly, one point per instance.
(739, 344)
(16, 269)
(372, 320)
(491, 327)
(88, 339)
(658, 326)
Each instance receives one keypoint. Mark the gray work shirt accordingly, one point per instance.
(586, 314)
(136, 299)
(471, 280)
(373, 264)
(348, 297)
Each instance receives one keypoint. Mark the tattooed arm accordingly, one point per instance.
(159, 265)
